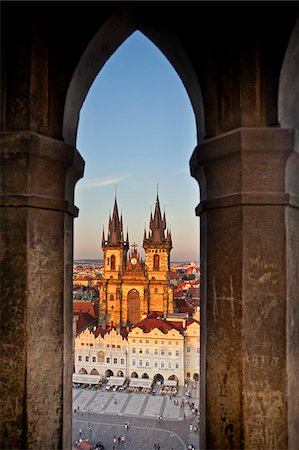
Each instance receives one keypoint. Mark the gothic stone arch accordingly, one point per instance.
(248, 207)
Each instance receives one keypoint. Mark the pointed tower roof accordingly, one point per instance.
(115, 227)
(103, 237)
(127, 238)
(157, 227)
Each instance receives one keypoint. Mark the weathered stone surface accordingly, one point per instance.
(231, 70)
(36, 327)
(244, 373)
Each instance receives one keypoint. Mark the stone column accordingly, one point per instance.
(38, 179)
(244, 293)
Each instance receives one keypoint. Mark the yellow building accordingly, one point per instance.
(131, 288)
(156, 350)
(192, 347)
(156, 347)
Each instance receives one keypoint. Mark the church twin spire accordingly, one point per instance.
(157, 227)
(115, 230)
(156, 235)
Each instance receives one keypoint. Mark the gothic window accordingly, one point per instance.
(112, 262)
(133, 306)
(111, 298)
(156, 262)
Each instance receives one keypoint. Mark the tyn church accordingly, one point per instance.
(131, 288)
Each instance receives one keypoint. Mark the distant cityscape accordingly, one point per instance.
(136, 328)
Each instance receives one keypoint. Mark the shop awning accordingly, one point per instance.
(170, 383)
(116, 381)
(141, 382)
(86, 379)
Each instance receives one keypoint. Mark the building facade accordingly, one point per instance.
(157, 347)
(131, 288)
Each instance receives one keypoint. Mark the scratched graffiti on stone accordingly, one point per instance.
(219, 303)
(264, 408)
(261, 361)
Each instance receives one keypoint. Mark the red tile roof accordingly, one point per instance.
(149, 324)
(102, 331)
(88, 307)
(85, 320)
(191, 320)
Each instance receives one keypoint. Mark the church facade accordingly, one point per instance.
(132, 288)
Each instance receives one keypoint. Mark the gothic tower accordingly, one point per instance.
(115, 249)
(157, 259)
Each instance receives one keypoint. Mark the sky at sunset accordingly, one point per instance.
(136, 132)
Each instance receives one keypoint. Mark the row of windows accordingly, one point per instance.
(162, 365)
(189, 350)
(156, 342)
(156, 351)
(147, 350)
(108, 360)
(87, 344)
(122, 361)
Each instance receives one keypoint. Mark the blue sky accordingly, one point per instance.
(136, 130)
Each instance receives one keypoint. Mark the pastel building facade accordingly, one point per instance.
(156, 347)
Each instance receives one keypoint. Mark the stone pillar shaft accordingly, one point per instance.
(38, 178)
(243, 299)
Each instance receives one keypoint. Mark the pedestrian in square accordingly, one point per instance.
(123, 439)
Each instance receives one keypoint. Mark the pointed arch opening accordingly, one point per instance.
(92, 61)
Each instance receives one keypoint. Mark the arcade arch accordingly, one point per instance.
(109, 373)
(158, 378)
